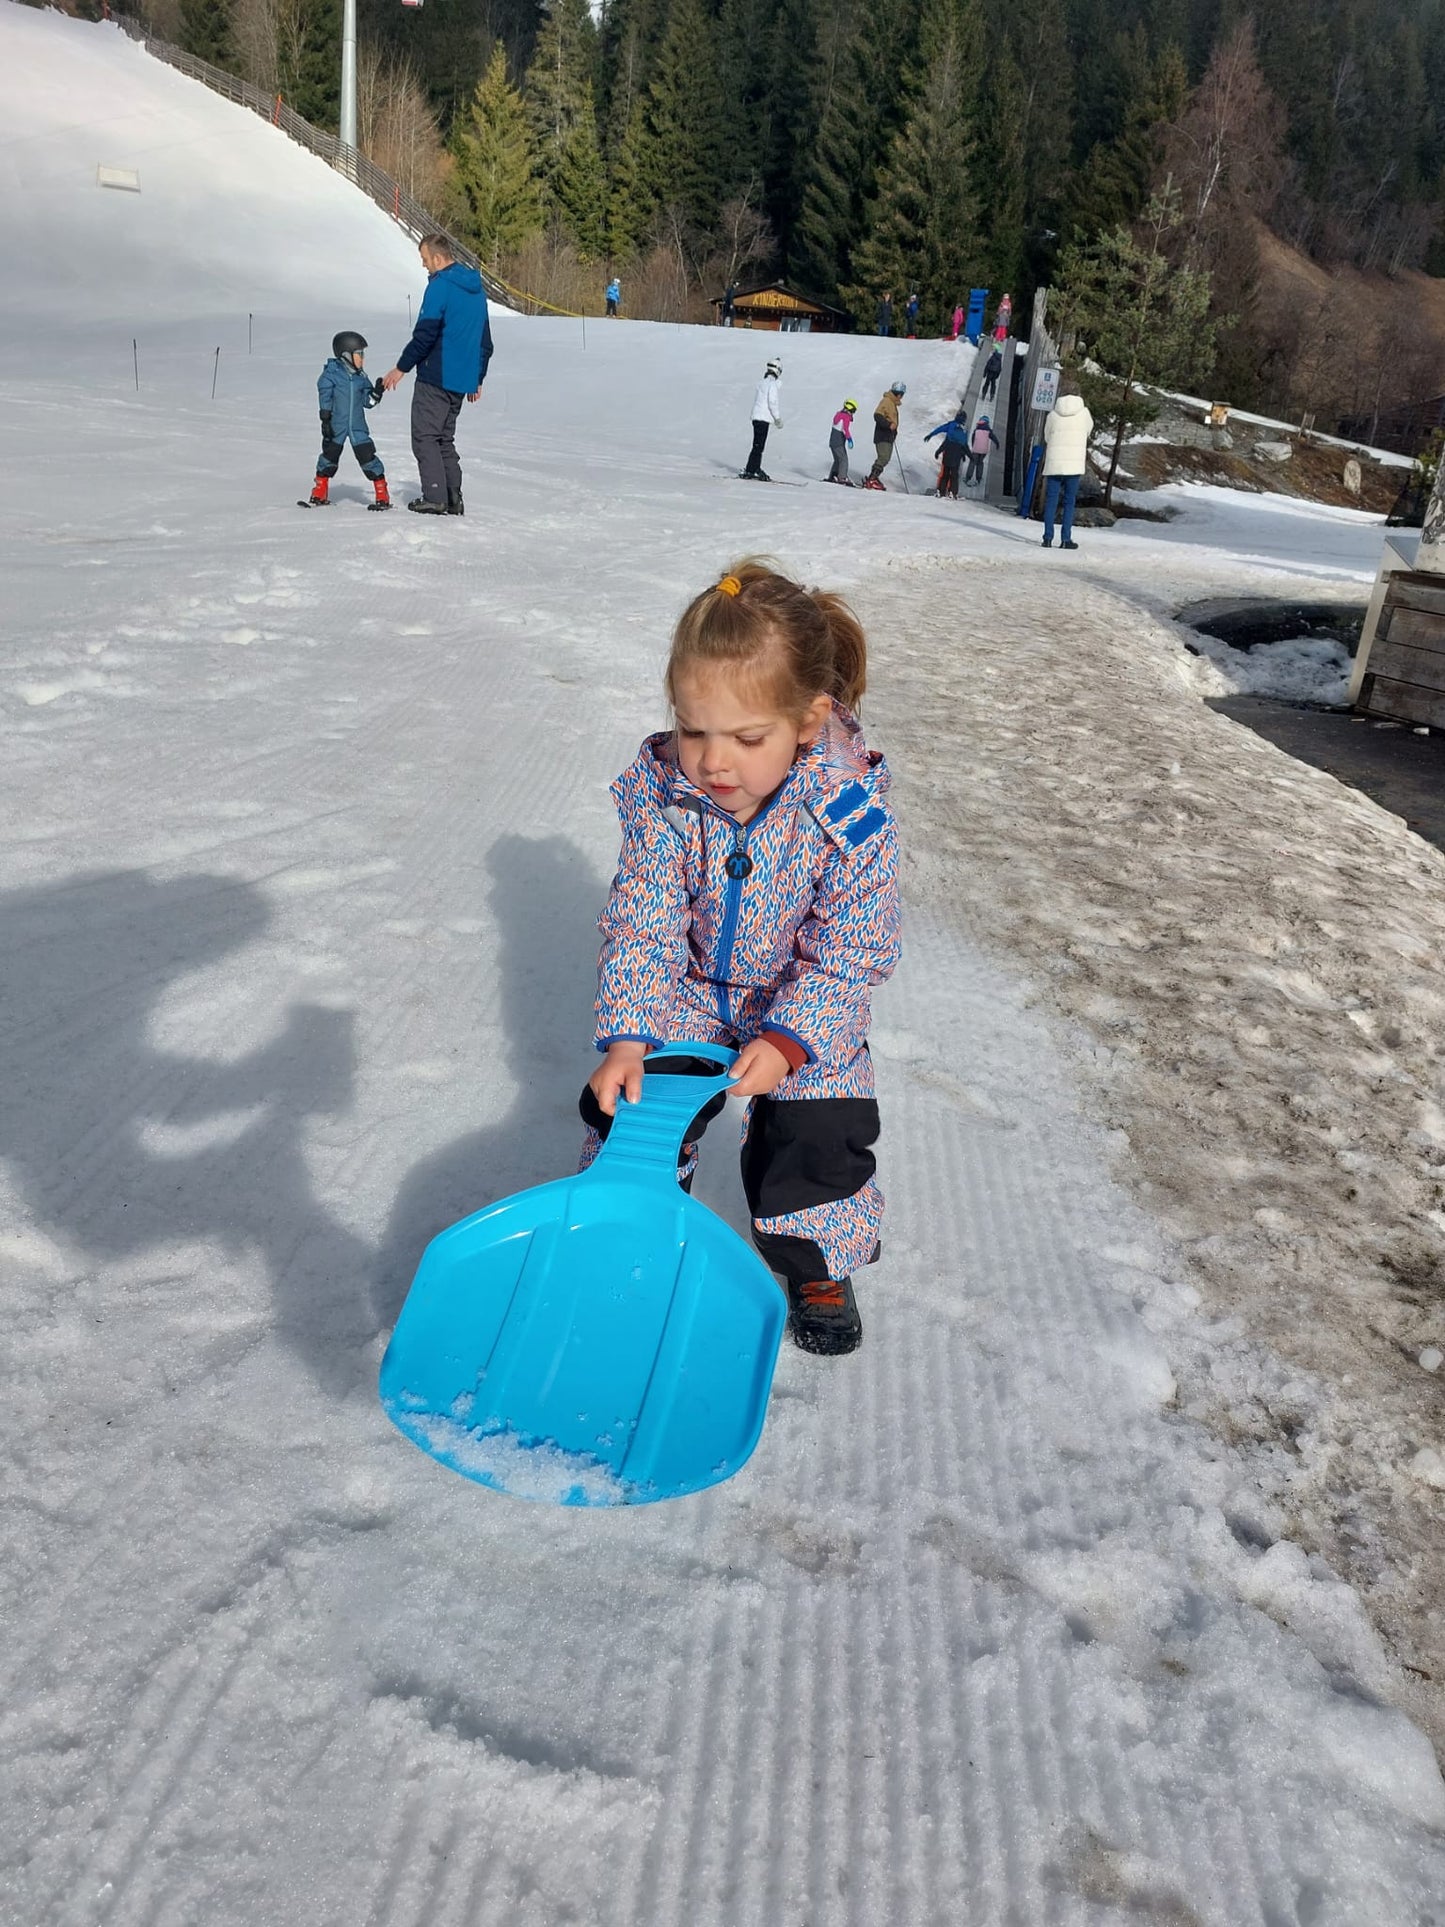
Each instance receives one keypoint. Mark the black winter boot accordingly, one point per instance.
(824, 1317)
(454, 502)
(423, 507)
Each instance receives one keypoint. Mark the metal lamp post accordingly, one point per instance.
(348, 74)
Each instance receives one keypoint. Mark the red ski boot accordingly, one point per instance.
(383, 494)
(320, 497)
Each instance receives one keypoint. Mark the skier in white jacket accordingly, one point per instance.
(1066, 455)
(767, 411)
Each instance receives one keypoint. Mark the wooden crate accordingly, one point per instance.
(1405, 677)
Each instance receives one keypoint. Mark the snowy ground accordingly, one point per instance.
(1308, 669)
(1011, 1618)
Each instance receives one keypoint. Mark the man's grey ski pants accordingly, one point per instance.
(434, 414)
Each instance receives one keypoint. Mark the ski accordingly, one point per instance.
(772, 481)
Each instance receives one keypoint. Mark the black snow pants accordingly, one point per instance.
(798, 1155)
(760, 442)
(329, 460)
(434, 414)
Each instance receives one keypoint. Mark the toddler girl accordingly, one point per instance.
(756, 904)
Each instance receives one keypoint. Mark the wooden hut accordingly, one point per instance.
(777, 306)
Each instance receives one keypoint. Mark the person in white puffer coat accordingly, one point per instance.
(1066, 456)
(767, 412)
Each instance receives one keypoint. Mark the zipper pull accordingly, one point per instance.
(739, 865)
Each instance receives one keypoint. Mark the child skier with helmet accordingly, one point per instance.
(885, 432)
(840, 440)
(767, 411)
(346, 393)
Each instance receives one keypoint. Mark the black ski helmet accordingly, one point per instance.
(348, 342)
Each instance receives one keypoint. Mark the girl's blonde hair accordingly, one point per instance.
(793, 644)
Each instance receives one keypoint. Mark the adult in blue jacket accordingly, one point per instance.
(449, 349)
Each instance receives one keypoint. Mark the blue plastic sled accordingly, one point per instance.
(602, 1340)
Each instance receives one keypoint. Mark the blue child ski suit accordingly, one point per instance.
(345, 394)
(778, 928)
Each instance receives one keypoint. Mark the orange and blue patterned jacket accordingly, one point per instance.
(795, 945)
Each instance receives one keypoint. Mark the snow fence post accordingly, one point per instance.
(1432, 535)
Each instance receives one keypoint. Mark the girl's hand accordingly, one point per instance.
(619, 1072)
(759, 1069)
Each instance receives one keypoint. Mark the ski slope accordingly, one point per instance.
(305, 825)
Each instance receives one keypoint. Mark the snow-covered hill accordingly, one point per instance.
(304, 825)
(231, 217)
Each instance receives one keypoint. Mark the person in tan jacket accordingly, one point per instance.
(885, 432)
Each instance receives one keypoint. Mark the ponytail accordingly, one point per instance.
(796, 643)
(850, 648)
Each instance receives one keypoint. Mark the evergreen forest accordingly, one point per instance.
(855, 147)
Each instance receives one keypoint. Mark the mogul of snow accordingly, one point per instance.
(756, 905)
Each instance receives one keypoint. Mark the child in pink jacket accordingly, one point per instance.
(756, 904)
(840, 440)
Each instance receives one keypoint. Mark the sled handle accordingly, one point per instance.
(650, 1133)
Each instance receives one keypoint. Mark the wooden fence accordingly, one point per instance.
(373, 181)
(1404, 675)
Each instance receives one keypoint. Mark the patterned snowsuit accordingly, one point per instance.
(792, 948)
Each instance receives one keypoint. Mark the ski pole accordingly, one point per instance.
(135, 361)
(214, 373)
(901, 469)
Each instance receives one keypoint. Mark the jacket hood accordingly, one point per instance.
(467, 279)
(1069, 405)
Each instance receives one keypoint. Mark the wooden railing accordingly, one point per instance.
(388, 194)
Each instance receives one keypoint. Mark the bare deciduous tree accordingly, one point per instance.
(396, 126)
(1224, 152)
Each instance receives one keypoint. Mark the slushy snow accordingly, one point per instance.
(1307, 669)
(1021, 1615)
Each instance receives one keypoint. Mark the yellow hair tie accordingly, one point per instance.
(730, 585)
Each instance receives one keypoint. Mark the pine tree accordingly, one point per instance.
(308, 43)
(859, 119)
(629, 206)
(1038, 37)
(208, 30)
(631, 34)
(1145, 321)
(1113, 185)
(680, 156)
(563, 121)
(496, 166)
(922, 227)
(579, 188)
(1002, 169)
(792, 106)
(559, 79)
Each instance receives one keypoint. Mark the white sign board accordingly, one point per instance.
(125, 178)
(1046, 389)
